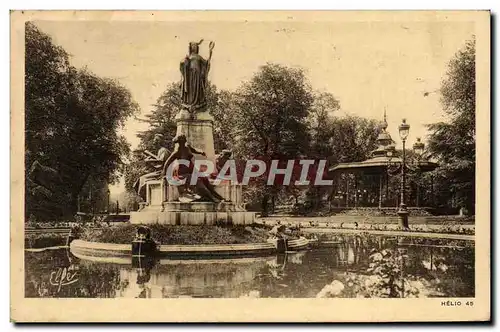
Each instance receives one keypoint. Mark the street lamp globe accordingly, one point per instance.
(404, 130)
(418, 147)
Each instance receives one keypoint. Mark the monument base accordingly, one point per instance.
(201, 207)
(198, 131)
(198, 214)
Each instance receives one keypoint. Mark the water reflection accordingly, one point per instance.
(191, 278)
(93, 280)
(368, 266)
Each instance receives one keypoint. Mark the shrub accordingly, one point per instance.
(44, 240)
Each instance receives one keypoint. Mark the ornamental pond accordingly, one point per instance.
(343, 266)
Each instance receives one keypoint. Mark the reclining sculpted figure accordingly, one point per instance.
(203, 187)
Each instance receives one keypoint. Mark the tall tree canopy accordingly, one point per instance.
(352, 138)
(453, 142)
(271, 112)
(72, 117)
(321, 125)
(339, 139)
(271, 122)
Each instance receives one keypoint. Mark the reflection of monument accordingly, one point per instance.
(202, 278)
(202, 202)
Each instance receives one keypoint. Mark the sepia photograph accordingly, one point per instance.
(250, 166)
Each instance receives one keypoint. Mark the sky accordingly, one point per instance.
(368, 66)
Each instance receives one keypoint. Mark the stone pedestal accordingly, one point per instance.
(174, 212)
(155, 193)
(192, 217)
(159, 193)
(198, 131)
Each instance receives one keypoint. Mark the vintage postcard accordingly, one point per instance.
(240, 166)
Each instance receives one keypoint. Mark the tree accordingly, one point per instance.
(71, 117)
(271, 110)
(353, 138)
(321, 123)
(453, 143)
(270, 120)
(224, 118)
(161, 121)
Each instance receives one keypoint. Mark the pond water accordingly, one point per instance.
(338, 266)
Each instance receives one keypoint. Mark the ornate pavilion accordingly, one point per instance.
(367, 183)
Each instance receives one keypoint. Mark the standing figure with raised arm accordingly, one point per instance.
(194, 69)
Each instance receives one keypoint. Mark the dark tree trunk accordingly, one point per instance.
(273, 203)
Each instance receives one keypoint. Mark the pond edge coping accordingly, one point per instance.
(107, 249)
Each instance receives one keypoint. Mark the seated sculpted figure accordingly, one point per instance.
(222, 158)
(155, 162)
(203, 187)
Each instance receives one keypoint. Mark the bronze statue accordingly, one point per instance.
(194, 69)
(203, 187)
(222, 158)
(155, 162)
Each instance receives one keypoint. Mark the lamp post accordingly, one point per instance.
(91, 199)
(108, 207)
(418, 148)
(404, 130)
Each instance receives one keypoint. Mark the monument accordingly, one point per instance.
(204, 202)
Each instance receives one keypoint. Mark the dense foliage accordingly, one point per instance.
(453, 142)
(72, 117)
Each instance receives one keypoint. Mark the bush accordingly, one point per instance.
(44, 240)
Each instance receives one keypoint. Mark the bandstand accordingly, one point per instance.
(366, 184)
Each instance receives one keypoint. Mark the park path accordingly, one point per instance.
(387, 220)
